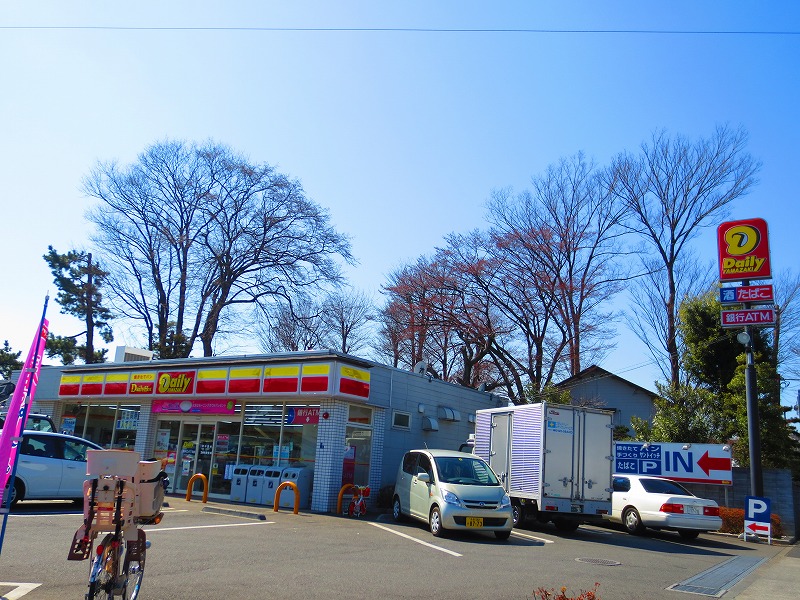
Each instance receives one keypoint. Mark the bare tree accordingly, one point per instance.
(569, 228)
(786, 332)
(193, 233)
(292, 327)
(649, 321)
(412, 312)
(347, 316)
(673, 189)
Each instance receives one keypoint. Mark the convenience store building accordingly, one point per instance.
(339, 418)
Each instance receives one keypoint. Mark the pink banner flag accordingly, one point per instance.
(19, 407)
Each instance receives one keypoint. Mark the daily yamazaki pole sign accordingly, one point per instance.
(743, 250)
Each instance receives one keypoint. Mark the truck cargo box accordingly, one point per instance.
(555, 460)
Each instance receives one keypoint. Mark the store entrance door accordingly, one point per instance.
(196, 448)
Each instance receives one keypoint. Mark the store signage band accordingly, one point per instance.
(752, 294)
(756, 317)
(283, 380)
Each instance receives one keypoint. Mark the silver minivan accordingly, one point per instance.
(451, 491)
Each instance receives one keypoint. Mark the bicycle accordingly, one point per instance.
(358, 505)
(117, 506)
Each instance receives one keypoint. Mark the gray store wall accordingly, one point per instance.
(422, 398)
(778, 487)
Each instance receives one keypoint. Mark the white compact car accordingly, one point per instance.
(451, 491)
(50, 466)
(641, 501)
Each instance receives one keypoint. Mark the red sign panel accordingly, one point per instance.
(751, 316)
(743, 250)
(175, 382)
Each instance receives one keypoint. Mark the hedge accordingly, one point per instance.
(733, 521)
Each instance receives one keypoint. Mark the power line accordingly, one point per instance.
(399, 30)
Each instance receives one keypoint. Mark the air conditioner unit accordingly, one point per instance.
(128, 354)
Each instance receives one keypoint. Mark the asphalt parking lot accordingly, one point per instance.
(217, 550)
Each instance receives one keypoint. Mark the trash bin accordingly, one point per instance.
(272, 479)
(255, 485)
(302, 477)
(239, 482)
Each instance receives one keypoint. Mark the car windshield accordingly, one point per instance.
(663, 486)
(464, 470)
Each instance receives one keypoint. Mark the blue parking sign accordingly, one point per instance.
(757, 509)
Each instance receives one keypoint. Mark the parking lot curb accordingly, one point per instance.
(235, 513)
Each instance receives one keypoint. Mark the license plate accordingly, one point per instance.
(576, 508)
(474, 521)
(692, 510)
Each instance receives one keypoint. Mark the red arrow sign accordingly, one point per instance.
(755, 528)
(708, 463)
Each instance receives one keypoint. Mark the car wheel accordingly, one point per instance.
(518, 513)
(435, 521)
(502, 535)
(17, 493)
(688, 534)
(397, 513)
(632, 521)
(566, 525)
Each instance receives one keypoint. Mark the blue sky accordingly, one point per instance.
(400, 119)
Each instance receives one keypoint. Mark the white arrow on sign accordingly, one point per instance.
(20, 589)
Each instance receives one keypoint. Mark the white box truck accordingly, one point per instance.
(555, 460)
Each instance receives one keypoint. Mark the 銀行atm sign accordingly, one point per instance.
(693, 463)
(743, 250)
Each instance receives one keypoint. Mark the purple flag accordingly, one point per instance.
(19, 407)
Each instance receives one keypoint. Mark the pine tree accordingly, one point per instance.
(79, 282)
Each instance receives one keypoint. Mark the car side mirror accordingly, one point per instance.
(423, 477)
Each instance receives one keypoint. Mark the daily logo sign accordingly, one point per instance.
(693, 463)
(743, 250)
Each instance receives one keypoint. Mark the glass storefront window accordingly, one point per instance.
(357, 446)
(110, 425)
(359, 414)
(263, 442)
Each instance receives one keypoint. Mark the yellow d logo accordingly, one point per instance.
(742, 239)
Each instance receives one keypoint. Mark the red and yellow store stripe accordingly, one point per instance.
(116, 384)
(245, 380)
(281, 380)
(316, 378)
(211, 381)
(353, 382)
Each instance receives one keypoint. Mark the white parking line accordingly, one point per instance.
(413, 539)
(531, 537)
(19, 590)
(150, 530)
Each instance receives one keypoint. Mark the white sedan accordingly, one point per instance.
(641, 501)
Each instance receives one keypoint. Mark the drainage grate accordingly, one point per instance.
(599, 561)
(719, 579)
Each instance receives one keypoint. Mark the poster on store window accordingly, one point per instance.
(68, 425)
(172, 457)
(162, 440)
(285, 451)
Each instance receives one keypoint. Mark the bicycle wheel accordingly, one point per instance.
(133, 568)
(105, 567)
